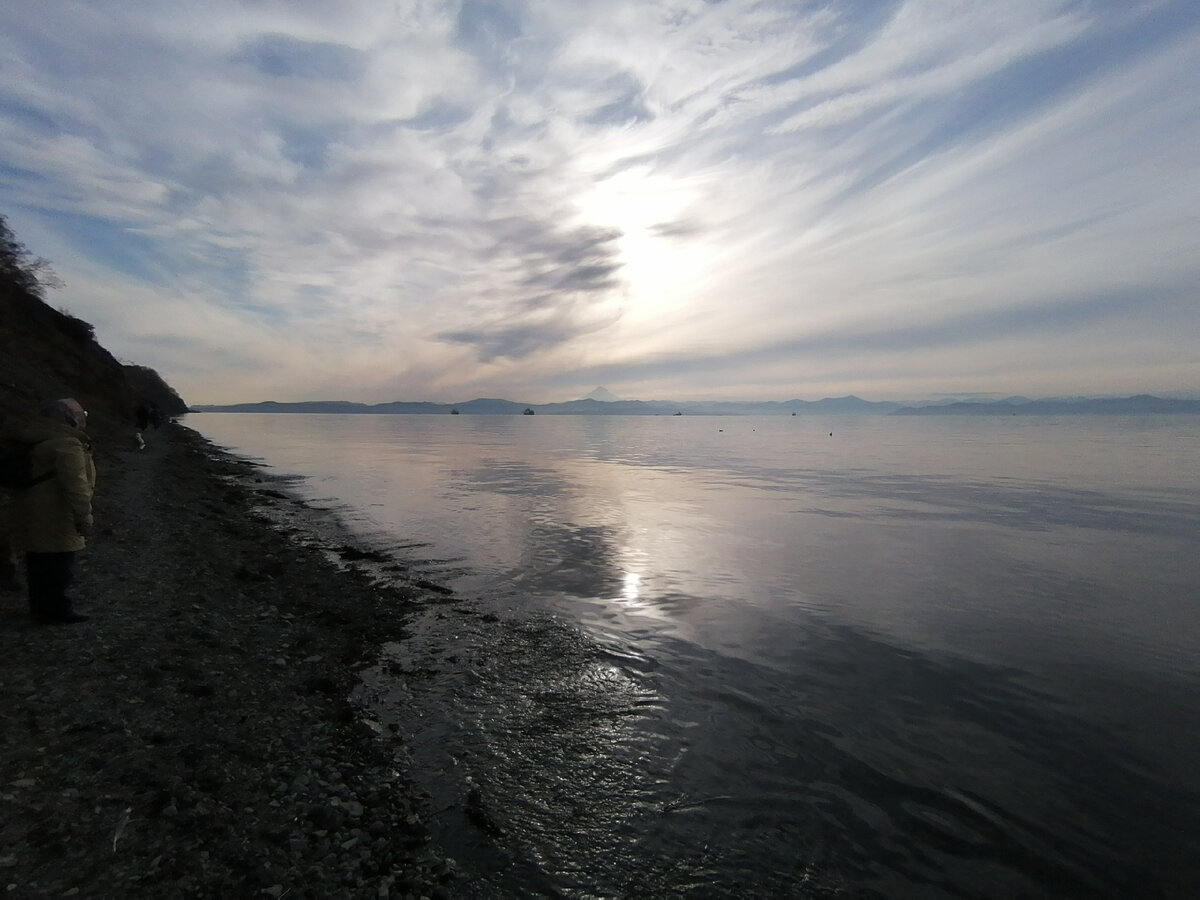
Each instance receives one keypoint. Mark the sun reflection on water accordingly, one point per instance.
(630, 593)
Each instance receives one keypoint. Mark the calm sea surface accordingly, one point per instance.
(787, 656)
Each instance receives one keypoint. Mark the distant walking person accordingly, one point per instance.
(52, 516)
(141, 418)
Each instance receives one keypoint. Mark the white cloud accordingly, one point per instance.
(450, 198)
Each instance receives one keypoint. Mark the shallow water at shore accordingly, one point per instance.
(735, 656)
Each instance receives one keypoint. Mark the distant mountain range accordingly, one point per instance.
(1012, 406)
(1019, 406)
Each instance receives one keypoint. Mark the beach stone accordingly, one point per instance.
(180, 702)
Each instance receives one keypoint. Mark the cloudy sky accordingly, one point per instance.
(676, 199)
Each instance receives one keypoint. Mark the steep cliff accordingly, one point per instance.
(45, 353)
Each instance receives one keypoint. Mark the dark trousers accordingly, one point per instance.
(8, 566)
(49, 575)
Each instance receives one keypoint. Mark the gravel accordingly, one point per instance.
(197, 737)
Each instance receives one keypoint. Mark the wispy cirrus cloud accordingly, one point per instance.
(676, 198)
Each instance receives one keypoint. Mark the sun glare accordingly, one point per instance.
(659, 271)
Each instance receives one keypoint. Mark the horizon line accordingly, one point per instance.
(941, 397)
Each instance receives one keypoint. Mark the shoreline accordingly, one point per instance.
(198, 735)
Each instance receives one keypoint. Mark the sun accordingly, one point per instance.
(661, 263)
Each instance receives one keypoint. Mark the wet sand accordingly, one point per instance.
(197, 737)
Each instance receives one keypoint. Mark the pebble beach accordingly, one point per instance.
(198, 736)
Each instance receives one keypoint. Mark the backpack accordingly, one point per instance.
(16, 466)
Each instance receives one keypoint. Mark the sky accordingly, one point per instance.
(675, 199)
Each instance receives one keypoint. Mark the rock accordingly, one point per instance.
(328, 817)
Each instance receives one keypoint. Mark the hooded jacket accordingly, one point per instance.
(48, 517)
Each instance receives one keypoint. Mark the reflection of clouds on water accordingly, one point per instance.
(509, 477)
(1015, 538)
(580, 560)
(1040, 507)
(925, 656)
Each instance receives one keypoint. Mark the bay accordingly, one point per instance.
(786, 655)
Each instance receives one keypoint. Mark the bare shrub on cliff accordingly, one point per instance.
(21, 269)
(74, 327)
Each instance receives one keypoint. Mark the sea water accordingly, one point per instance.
(788, 656)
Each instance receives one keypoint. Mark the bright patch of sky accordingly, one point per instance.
(677, 199)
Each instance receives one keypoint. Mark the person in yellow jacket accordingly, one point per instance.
(52, 517)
